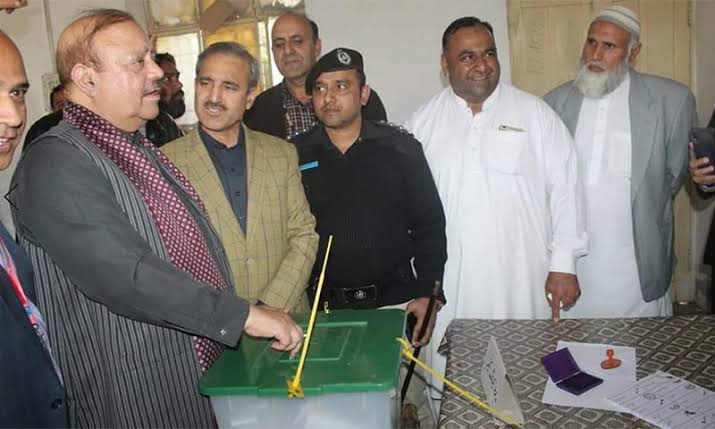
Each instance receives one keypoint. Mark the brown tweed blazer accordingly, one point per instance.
(273, 261)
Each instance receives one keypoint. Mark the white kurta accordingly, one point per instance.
(608, 275)
(508, 181)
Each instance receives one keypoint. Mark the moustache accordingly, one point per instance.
(600, 64)
(476, 74)
(210, 105)
(292, 57)
(329, 107)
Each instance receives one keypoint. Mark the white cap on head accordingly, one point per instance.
(622, 17)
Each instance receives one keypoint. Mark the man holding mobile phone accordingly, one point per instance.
(702, 169)
(703, 174)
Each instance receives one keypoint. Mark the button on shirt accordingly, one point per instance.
(230, 164)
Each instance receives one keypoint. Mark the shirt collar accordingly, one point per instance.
(134, 137)
(328, 144)
(288, 97)
(491, 101)
(284, 91)
(217, 145)
(488, 104)
(367, 131)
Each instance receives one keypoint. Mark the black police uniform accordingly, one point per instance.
(380, 203)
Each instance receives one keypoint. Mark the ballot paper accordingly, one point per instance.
(668, 402)
(589, 358)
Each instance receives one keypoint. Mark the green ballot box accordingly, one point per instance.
(349, 380)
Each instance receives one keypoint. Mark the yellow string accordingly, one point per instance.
(406, 351)
(294, 387)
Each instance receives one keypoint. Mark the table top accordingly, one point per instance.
(683, 346)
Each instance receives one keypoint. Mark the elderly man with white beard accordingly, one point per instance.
(631, 135)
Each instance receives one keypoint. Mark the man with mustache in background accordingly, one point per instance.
(631, 133)
(285, 110)
(163, 128)
(250, 183)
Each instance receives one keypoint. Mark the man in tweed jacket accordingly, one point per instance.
(249, 182)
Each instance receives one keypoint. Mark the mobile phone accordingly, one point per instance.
(703, 140)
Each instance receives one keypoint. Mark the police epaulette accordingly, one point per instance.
(304, 131)
(399, 128)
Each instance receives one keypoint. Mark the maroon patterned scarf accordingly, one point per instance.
(181, 236)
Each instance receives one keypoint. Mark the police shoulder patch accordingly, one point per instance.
(302, 133)
(398, 129)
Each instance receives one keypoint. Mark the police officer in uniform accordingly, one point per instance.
(368, 184)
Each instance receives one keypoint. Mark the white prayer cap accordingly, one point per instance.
(622, 17)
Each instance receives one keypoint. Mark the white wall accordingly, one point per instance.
(703, 68)
(36, 38)
(401, 42)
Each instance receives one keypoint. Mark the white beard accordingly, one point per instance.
(597, 84)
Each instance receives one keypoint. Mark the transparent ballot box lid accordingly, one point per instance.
(350, 351)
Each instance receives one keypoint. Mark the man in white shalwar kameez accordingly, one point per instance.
(506, 171)
(631, 135)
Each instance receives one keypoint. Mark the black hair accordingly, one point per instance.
(164, 57)
(361, 77)
(314, 27)
(236, 49)
(464, 22)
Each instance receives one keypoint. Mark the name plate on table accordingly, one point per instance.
(497, 386)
